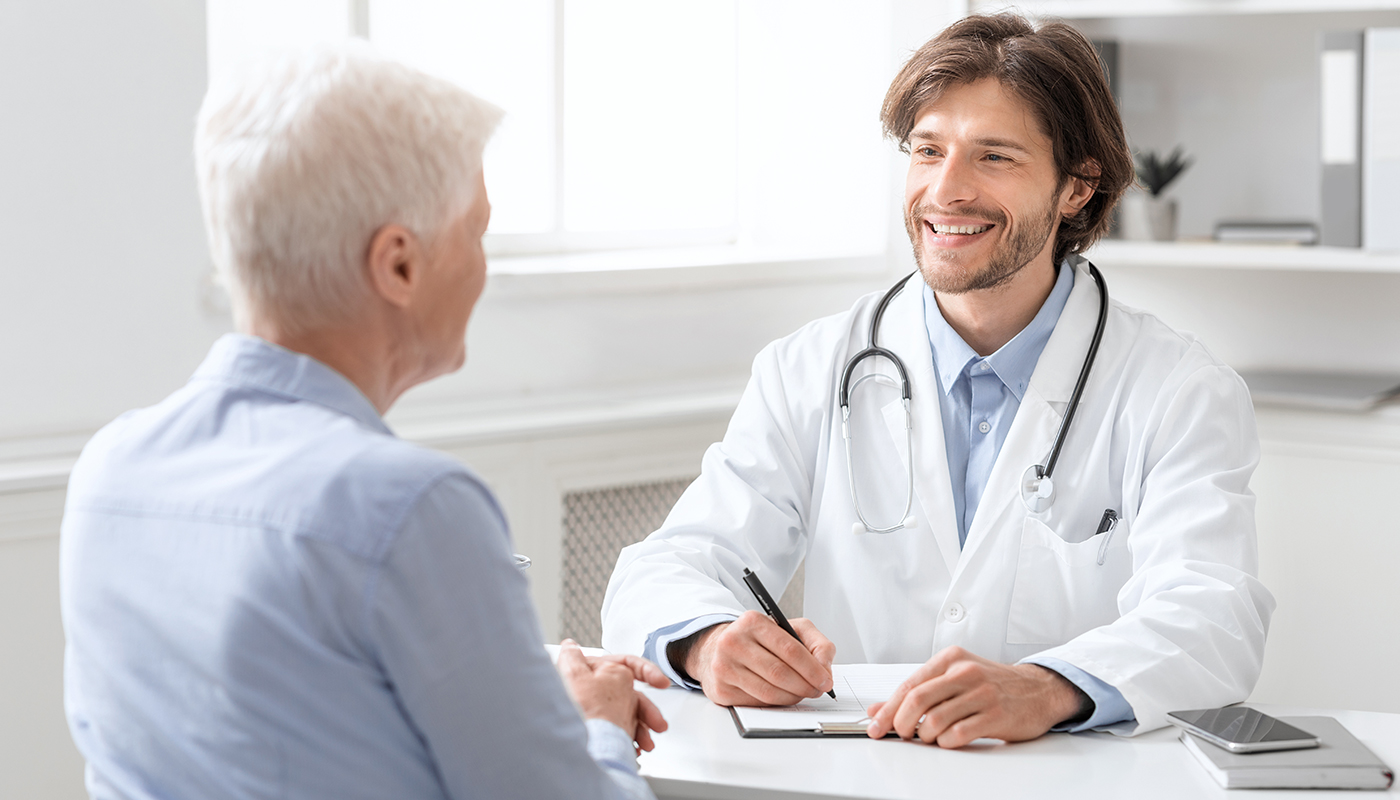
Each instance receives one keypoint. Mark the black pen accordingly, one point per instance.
(1106, 525)
(765, 601)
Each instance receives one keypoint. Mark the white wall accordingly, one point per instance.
(104, 249)
(102, 259)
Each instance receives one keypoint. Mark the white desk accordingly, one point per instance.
(702, 757)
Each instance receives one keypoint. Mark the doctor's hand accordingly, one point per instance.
(602, 688)
(753, 662)
(956, 697)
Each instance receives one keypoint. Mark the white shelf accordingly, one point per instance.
(1113, 253)
(1086, 9)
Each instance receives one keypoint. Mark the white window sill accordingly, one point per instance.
(623, 271)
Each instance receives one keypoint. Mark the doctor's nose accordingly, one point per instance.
(950, 184)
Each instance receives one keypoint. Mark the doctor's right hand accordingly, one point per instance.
(753, 662)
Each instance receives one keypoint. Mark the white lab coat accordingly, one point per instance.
(1174, 617)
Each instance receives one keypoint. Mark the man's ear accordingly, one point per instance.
(1079, 191)
(395, 263)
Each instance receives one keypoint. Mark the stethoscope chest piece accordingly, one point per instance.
(1037, 489)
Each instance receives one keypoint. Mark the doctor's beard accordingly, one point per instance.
(1011, 255)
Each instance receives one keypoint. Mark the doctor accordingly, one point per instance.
(1127, 591)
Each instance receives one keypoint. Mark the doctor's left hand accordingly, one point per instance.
(956, 697)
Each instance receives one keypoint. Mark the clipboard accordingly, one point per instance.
(857, 687)
(823, 730)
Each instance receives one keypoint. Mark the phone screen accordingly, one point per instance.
(1242, 725)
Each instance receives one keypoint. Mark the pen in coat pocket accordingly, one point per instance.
(1106, 526)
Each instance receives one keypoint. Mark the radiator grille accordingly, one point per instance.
(598, 523)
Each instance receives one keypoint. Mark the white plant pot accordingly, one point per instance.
(1148, 219)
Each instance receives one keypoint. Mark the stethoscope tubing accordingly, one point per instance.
(1049, 469)
(873, 350)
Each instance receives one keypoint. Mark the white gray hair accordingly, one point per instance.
(303, 157)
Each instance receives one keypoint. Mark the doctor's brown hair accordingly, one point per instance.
(1053, 70)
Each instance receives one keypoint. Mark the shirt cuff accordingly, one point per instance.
(655, 649)
(1109, 705)
(611, 746)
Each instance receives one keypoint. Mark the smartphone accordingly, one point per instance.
(1242, 730)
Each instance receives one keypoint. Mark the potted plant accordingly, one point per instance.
(1148, 216)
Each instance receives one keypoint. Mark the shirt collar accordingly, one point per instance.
(1016, 360)
(243, 360)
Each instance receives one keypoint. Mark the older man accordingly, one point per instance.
(265, 593)
(1091, 576)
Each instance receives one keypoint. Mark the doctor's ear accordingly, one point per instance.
(1079, 188)
(394, 264)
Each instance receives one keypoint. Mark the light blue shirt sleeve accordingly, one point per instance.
(1109, 705)
(655, 649)
(452, 624)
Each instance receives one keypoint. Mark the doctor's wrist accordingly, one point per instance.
(685, 654)
(1075, 705)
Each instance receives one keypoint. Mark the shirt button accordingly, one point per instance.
(955, 612)
(984, 426)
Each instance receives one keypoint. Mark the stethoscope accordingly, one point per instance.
(1037, 485)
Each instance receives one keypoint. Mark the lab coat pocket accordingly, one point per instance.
(1061, 588)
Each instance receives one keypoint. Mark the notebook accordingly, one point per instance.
(1340, 762)
(857, 687)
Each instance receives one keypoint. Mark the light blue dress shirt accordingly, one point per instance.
(981, 395)
(980, 399)
(266, 594)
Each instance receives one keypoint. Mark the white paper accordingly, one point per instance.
(857, 687)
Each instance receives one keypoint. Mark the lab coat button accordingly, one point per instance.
(984, 426)
(955, 612)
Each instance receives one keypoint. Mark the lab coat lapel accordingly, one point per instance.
(903, 331)
(1038, 419)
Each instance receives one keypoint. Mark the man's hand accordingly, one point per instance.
(753, 662)
(956, 697)
(602, 688)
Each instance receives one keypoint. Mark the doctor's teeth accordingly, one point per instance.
(959, 229)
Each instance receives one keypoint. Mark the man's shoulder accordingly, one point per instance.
(1144, 331)
(240, 457)
(1157, 358)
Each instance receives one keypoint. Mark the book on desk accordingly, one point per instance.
(1341, 761)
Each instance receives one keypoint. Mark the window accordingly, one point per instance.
(642, 123)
